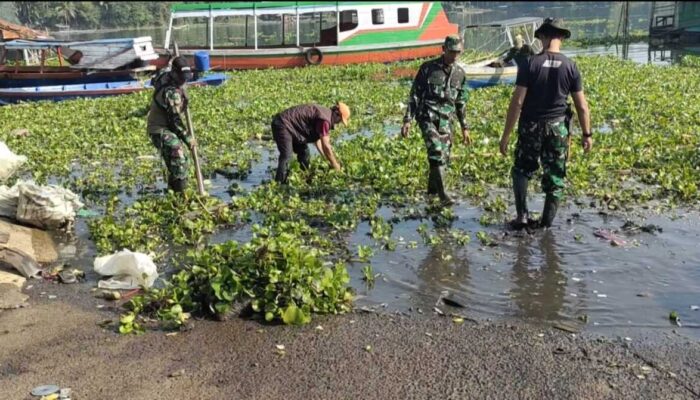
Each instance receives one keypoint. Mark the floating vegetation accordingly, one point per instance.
(646, 147)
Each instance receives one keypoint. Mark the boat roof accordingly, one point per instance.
(263, 5)
(507, 23)
(21, 44)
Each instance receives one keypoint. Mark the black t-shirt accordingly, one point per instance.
(549, 78)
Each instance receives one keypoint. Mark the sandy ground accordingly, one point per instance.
(58, 341)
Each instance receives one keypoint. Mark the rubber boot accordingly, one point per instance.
(439, 173)
(520, 183)
(177, 185)
(433, 176)
(551, 204)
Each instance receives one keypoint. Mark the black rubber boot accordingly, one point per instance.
(177, 185)
(433, 177)
(520, 183)
(440, 185)
(551, 204)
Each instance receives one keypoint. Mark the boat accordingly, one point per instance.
(284, 34)
(90, 90)
(481, 74)
(96, 61)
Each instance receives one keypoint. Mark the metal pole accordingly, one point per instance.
(211, 29)
(298, 41)
(255, 25)
(190, 128)
(337, 24)
(168, 33)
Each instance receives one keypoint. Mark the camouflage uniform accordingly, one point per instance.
(167, 128)
(548, 142)
(439, 92)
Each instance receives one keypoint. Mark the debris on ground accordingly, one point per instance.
(633, 227)
(9, 162)
(129, 270)
(609, 236)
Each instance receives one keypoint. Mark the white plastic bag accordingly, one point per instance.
(46, 207)
(9, 162)
(9, 197)
(129, 270)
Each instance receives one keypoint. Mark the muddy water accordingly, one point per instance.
(564, 276)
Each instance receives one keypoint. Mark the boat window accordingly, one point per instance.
(348, 20)
(191, 32)
(230, 32)
(377, 16)
(318, 29)
(270, 30)
(403, 15)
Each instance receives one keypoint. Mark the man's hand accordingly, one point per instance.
(587, 144)
(504, 145)
(405, 128)
(465, 136)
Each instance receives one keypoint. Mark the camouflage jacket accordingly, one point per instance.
(168, 109)
(438, 92)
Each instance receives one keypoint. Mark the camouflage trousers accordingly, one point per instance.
(438, 140)
(174, 153)
(545, 141)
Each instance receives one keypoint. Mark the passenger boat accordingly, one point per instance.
(95, 61)
(480, 73)
(102, 89)
(282, 34)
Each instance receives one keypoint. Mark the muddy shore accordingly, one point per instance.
(359, 356)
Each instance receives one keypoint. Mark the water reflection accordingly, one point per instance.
(539, 284)
(445, 267)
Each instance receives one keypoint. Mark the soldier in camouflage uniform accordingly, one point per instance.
(542, 88)
(166, 122)
(439, 92)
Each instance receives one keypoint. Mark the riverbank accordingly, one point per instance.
(365, 355)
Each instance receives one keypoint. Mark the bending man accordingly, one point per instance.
(294, 128)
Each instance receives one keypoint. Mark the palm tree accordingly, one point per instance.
(66, 10)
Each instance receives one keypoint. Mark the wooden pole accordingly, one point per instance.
(190, 129)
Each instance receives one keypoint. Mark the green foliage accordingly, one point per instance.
(92, 14)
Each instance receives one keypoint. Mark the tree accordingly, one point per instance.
(8, 11)
(67, 11)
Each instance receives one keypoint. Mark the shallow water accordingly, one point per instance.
(561, 276)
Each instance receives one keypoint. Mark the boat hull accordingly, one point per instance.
(481, 75)
(90, 90)
(294, 57)
(11, 77)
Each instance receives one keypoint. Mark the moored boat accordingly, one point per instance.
(96, 61)
(101, 89)
(282, 34)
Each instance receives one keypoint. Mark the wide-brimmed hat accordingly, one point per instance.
(552, 25)
(344, 112)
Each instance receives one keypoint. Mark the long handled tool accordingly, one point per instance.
(190, 131)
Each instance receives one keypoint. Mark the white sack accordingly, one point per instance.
(129, 270)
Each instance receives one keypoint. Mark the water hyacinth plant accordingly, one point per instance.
(292, 264)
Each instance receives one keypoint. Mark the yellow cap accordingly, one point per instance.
(344, 112)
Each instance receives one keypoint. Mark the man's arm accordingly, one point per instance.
(461, 108)
(414, 101)
(584, 118)
(327, 151)
(175, 109)
(516, 104)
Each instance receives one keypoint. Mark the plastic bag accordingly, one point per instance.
(9, 162)
(129, 270)
(9, 197)
(46, 207)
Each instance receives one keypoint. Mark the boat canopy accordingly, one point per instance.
(508, 23)
(23, 44)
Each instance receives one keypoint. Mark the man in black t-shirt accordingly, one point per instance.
(540, 99)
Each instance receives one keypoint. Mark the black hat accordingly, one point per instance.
(552, 25)
(180, 64)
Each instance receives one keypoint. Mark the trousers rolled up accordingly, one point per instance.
(286, 145)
